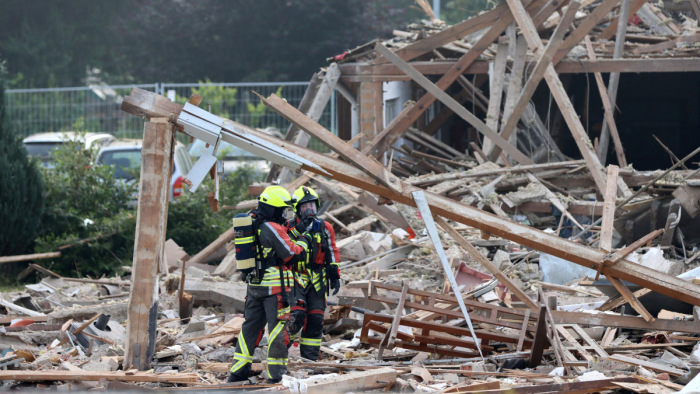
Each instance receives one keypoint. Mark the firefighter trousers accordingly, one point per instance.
(261, 308)
(307, 308)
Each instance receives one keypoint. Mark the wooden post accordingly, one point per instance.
(606, 232)
(540, 341)
(371, 110)
(149, 242)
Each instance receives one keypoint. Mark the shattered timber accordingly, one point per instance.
(477, 254)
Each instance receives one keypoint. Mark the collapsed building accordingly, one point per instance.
(486, 244)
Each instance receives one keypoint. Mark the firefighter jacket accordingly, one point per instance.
(315, 271)
(278, 250)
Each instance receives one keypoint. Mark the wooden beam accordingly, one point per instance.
(544, 58)
(93, 376)
(27, 257)
(454, 105)
(608, 112)
(609, 128)
(560, 96)
(371, 111)
(540, 341)
(354, 72)
(390, 336)
(345, 150)
(633, 301)
(606, 231)
(149, 242)
(622, 253)
(497, 273)
(648, 365)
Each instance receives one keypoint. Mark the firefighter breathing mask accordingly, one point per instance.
(307, 209)
(306, 197)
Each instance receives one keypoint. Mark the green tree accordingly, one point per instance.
(21, 200)
(84, 201)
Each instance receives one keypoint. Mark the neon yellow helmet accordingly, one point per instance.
(275, 196)
(305, 194)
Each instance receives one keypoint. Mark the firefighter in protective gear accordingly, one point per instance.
(313, 279)
(268, 288)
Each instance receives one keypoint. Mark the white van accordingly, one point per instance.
(42, 144)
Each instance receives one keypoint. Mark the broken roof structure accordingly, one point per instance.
(424, 150)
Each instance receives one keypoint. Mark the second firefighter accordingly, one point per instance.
(312, 279)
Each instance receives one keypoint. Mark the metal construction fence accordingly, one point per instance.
(96, 108)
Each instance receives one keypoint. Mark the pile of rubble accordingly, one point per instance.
(505, 267)
(396, 321)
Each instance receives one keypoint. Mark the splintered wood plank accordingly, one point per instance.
(647, 364)
(523, 331)
(25, 257)
(149, 242)
(390, 336)
(345, 150)
(624, 252)
(633, 301)
(496, 79)
(606, 231)
(561, 97)
(544, 59)
(497, 273)
(145, 104)
(210, 249)
(454, 105)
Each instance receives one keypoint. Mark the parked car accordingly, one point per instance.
(233, 156)
(42, 144)
(125, 156)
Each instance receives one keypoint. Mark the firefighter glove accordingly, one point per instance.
(304, 224)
